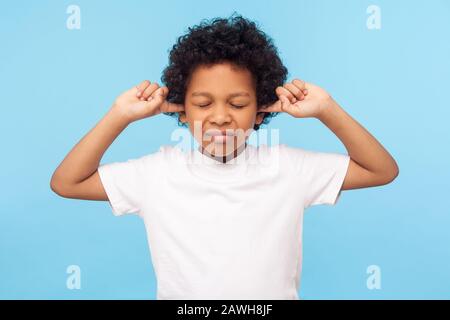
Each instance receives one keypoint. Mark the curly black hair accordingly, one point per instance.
(235, 40)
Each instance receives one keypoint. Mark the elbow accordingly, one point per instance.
(57, 187)
(395, 171)
(392, 177)
(392, 174)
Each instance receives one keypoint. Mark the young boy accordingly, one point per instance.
(224, 221)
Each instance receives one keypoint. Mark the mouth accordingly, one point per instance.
(220, 136)
(217, 132)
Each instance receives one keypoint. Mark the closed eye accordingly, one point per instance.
(234, 106)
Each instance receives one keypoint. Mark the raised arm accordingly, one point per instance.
(370, 163)
(77, 175)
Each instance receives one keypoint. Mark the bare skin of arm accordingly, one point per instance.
(77, 175)
(370, 163)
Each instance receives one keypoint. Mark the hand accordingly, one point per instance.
(300, 99)
(145, 100)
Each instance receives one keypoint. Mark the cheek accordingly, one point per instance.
(195, 111)
(195, 119)
(247, 118)
(194, 114)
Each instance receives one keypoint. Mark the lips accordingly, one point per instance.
(216, 132)
(220, 136)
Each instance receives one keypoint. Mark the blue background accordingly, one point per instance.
(58, 83)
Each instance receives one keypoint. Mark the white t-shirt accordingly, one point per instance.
(225, 231)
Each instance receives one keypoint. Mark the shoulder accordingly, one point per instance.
(165, 150)
(163, 154)
(279, 157)
(171, 153)
(296, 158)
(284, 153)
(305, 155)
(289, 151)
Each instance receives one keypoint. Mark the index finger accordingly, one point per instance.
(274, 107)
(172, 107)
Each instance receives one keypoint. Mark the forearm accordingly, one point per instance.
(84, 158)
(361, 146)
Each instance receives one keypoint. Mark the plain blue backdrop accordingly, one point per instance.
(57, 83)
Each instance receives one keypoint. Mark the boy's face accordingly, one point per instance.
(221, 99)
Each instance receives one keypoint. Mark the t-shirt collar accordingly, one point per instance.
(203, 165)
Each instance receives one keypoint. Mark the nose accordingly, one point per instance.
(220, 115)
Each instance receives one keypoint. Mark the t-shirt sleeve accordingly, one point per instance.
(324, 174)
(125, 183)
(321, 173)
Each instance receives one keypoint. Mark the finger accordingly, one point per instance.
(154, 94)
(157, 99)
(141, 87)
(173, 107)
(164, 91)
(149, 90)
(283, 91)
(274, 107)
(298, 93)
(301, 85)
(285, 104)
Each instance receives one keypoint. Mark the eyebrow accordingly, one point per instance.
(209, 95)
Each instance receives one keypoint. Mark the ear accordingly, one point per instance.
(182, 116)
(259, 117)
